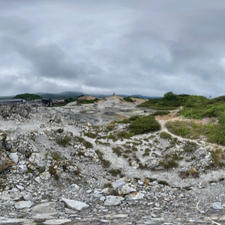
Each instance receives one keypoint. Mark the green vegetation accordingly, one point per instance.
(115, 172)
(190, 146)
(215, 133)
(187, 129)
(218, 158)
(56, 156)
(117, 150)
(104, 162)
(165, 135)
(170, 161)
(128, 99)
(161, 113)
(63, 141)
(85, 101)
(86, 144)
(168, 102)
(91, 135)
(144, 124)
(28, 96)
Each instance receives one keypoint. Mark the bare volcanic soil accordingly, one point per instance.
(77, 164)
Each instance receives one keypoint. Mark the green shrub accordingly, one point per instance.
(115, 172)
(161, 113)
(190, 146)
(128, 99)
(186, 129)
(104, 162)
(165, 135)
(28, 96)
(144, 125)
(118, 151)
(63, 141)
(56, 156)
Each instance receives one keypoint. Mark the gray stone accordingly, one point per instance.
(135, 196)
(23, 204)
(76, 205)
(217, 205)
(14, 157)
(56, 221)
(118, 183)
(113, 200)
(44, 208)
(126, 189)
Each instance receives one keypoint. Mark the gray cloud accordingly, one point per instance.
(148, 47)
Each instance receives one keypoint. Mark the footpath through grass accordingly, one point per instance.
(194, 107)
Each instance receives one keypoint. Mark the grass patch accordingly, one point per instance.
(86, 144)
(85, 101)
(165, 135)
(115, 172)
(190, 146)
(91, 135)
(63, 141)
(218, 158)
(128, 99)
(104, 162)
(117, 150)
(144, 124)
(56, 156)
(187, 129)
(161, 113)
(215, 133)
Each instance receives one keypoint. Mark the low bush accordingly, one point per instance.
(165, 135)
(63, 141)
(144, 124)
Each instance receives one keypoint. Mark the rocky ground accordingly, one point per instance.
(73, 165)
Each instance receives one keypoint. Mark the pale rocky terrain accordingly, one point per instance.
(63, 165)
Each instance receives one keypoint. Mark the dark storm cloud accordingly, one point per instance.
(147, 47)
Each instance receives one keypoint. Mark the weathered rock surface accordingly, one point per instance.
(76, 205)
(74, 151)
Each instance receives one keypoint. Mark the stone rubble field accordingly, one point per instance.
(73, 165)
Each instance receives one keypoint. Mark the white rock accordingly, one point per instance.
(135, 196)
(14, 157)
(37, 159)
(23, 204)
(217, 205)
(126, 189)
(56, 221)
(73, 204)
(12, 221)
(44, 208)
(75, 187)
(45, 175)
(23, 168)
(27, 196)
(112, 200)
(118, 183)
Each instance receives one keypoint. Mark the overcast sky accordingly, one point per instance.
(144, 47)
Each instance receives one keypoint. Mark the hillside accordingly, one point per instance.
(111, 162)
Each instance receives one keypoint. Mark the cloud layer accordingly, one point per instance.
(129, 47)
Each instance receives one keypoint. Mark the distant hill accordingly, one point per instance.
(28, 96)
(63, 95)
(72, 94)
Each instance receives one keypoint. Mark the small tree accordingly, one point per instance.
(170, 96)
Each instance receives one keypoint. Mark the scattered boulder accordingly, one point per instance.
(113, 200)
(76, 205)
(23, 204)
